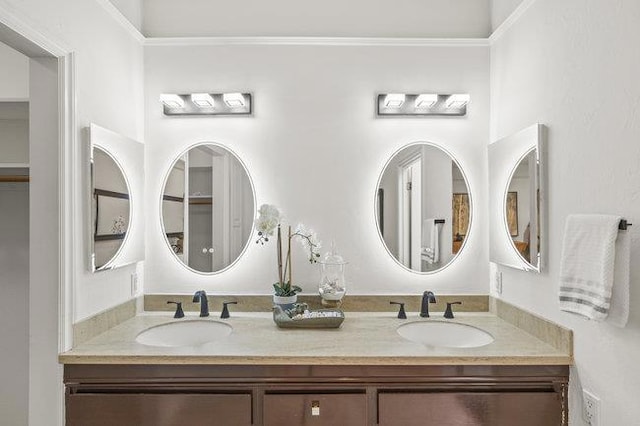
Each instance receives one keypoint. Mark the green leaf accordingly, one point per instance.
(277, 289)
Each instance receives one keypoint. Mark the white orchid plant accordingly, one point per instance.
(268, 224)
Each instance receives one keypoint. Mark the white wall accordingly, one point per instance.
(501, 10)
(14, 287)
(14, 74)
(109, 93)
(329, 18)
(131, 9)
(571, 65)
(315, 149)
(14, 132)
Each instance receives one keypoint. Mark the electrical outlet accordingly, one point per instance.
(134, 284)
(498, 282)
(590, 408)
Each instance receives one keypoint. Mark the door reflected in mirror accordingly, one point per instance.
(111, 209)
(423, 208)
(207, 208)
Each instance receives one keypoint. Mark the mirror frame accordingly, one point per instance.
(376, 211)
(128, 155)
(161, 199)
(505, 156)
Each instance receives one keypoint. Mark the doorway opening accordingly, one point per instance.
(34, 190)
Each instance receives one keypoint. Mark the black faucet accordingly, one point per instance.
(201, 296)
(427, 297)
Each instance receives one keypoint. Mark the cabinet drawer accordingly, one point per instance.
(158, 410)
(330, 410)
(470, 409)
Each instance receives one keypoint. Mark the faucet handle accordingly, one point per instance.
(179, 312)
(401, 313)
(448, 313)
(225, 310)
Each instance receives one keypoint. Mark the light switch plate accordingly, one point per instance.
(134, 284)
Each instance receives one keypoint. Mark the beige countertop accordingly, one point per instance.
(364, 338)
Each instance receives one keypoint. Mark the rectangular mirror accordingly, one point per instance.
(115, 200)
(516, 198)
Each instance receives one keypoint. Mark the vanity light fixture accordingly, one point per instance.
(202, 100)
(426, 100)
(233, 100)
(421, 104)
(233, 103)
(394, 100)
(171, 100)
(457, 101)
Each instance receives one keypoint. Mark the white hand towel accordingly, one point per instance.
(587, 265)
(430, 241)
(619, 311)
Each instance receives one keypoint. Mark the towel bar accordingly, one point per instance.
(624, 224)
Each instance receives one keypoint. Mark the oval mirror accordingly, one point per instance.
(520, 200)
(111, 209)
(208, 206)
(423, 207)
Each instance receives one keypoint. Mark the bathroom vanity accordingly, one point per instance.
(362, 374)
(245, 395)
(499, 368)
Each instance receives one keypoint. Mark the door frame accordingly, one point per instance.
(405, 227)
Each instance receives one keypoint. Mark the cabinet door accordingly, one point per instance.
(315, 410)
(470, 409)
(158, 410)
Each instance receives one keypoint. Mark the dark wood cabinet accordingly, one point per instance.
(172, 409)
(470, 409)
(315, 395)
(311, 409)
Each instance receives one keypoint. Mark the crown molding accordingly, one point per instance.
(510, 21)
(122, 20)
(44, 44)
(315, 41)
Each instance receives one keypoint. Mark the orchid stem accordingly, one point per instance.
(287, 263)
(279, 253)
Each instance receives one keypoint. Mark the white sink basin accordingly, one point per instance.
(184, 333)
(445, 334)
